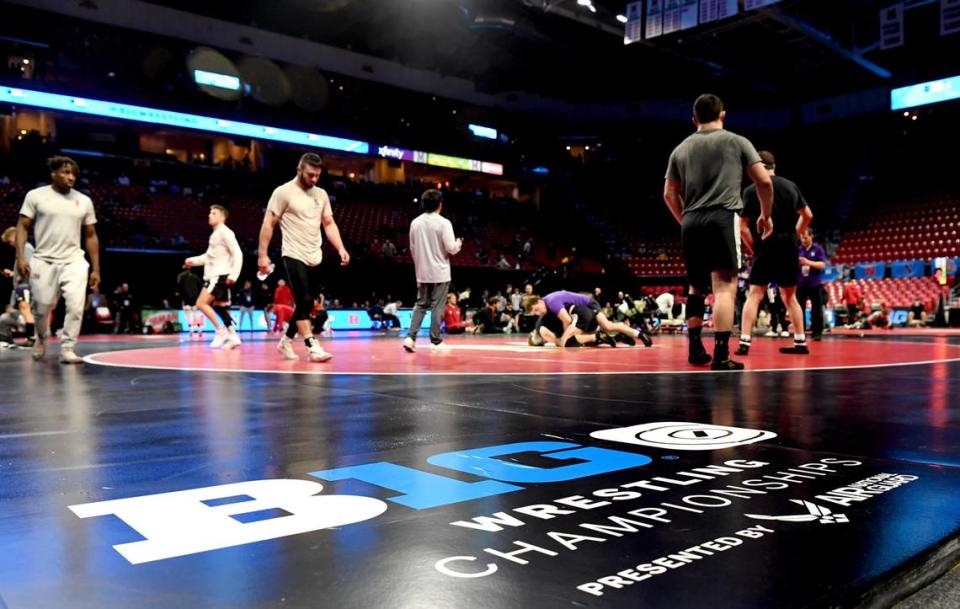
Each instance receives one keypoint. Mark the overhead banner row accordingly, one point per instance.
(665, 17)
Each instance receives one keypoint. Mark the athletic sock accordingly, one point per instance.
(309, 341)
(745, 339)
(800, 339)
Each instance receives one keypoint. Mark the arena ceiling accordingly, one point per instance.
(804, 48)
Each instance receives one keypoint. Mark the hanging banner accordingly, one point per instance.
(689, 16)
(891, 26)
(714, 10)
(633, 29)
(949, 17)
(654, 26)
(671, 16)
(749, 5)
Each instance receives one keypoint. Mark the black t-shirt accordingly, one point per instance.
(917, 310)
(787, 203)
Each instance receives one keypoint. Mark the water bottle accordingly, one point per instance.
(263, 276)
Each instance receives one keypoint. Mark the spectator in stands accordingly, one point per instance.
(452, 319)
(502, 263)
(246, 302)
(125, 306)
(320, 318)
(918, 315)
(188, 288)
(809, 284)
(852, 298)
(282, 294)
(777, 313)
(527, 250)
(262, 298)
(389, 250)
(487, 320)
(390, 319)
(513, 294)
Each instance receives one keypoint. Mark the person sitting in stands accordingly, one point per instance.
(452, 319)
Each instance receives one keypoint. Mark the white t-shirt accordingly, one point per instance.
(223, 256)
(301, 216)
(665, 303)
(431, 244)
(390, 308)
(58, 220)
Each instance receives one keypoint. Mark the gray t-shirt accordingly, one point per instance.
(709, 166)
(58, 220)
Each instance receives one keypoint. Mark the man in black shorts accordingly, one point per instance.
(702, 191)
(303, 212)
(775, 260)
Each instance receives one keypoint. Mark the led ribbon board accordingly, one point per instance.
(53, 101)
(439, 160)
(925, 93)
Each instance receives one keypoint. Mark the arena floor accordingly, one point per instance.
(162, 474)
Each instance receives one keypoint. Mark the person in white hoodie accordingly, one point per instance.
(431, 243)
(221, 267)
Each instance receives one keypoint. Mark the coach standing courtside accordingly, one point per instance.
(702, 191)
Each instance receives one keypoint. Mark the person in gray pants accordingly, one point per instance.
(431, 244)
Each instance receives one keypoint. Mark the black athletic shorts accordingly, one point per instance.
(219, 290)
(587, 315)
(305, 284)
(711, 242)
(550, 322)
(776, 260)
(21, 294)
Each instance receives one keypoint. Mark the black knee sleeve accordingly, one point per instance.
(223, 314)
(696, 306)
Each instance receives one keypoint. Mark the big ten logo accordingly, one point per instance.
(353, 319)
(188, 522)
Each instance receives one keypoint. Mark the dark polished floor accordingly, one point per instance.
(474, 490)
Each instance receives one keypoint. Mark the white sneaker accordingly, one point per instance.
(219, 338)
(440, 348)
(409, 346)
(770, 333)
(285, 346)
(67, 356)
(232, 342)
(317, 354)
(784, 334)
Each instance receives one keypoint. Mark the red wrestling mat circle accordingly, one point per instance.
(511, 356)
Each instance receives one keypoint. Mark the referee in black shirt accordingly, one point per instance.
(775, 260)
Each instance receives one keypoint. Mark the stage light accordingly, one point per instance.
(622, 18)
